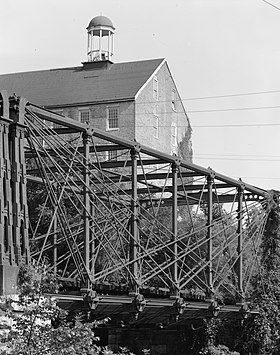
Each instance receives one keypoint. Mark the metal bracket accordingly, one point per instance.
(91, 299)
(242, 185)
(214, 308)
(177, 162)
(139, 303)
(212, 173)
(244, 311)
(137, 148)
(179, 307)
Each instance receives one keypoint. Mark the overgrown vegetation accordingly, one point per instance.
(261, 333)
(32, 323)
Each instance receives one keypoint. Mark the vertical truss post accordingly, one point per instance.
(240, 241)
(86, 223)
(134, 239)
(209, 236)
(174, 268)
(55, 240)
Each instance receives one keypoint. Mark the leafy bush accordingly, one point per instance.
(39, 326)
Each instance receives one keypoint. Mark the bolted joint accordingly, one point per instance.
(176, 163)
(179, 306)
(136, 148)
(139, 303)
(14, 102)
(242, 186)
(211, 175)
(214, 309)
(17, 107)
(244, 310)
(90, 131)
(86, 137)
(90, 298)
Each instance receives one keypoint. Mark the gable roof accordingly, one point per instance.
(78, 86)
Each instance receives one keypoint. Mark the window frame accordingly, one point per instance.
(156, 126)
(174, 134)
(155, 88)
(81, 111)
(173, 100)
(108, 108)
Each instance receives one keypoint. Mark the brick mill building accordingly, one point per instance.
(134, 100)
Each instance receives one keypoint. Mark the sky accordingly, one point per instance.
(224, 56)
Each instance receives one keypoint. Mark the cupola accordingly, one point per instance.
(100, 39)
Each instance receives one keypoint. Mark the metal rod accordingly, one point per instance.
(92, 240)
(55, 245)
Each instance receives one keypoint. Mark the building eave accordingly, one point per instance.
(90, 103)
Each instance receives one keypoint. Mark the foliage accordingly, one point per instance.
(217, 350)
(211, 329)
(39, 326)
(261, 333)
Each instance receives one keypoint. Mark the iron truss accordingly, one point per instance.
(112, 216)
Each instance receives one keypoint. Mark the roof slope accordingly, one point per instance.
(74, 86)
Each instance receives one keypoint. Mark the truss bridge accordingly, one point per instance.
(127, 230)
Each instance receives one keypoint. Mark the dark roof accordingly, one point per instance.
(77, 86)
(101, 21)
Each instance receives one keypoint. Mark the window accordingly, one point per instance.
(155, 88)
(84, 116)
(112, 155)
(112, 118)
(174, 134)
(173, 100)
(156, 126)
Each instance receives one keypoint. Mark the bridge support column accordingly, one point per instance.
(210, 292)
(240, 243)
(174, 291)
(14, 246)
(134, 233)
